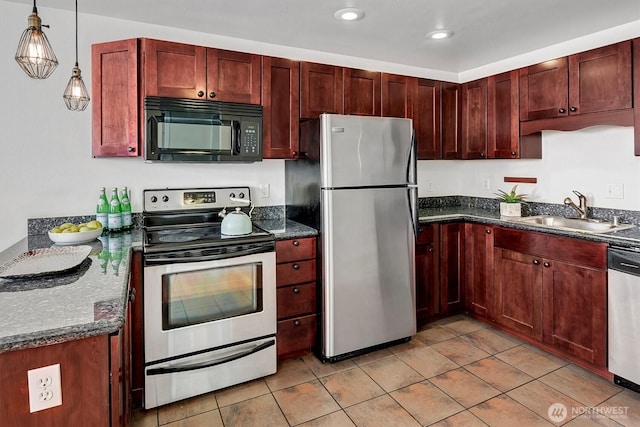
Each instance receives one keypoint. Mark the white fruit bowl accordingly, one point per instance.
(73, 238)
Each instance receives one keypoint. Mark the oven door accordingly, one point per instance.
(194, 307)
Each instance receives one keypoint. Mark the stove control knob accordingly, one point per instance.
(241, 196)
(154, 199)
(232, 195)
(165, 198)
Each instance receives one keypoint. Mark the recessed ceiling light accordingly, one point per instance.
(349, 14)
(439, 34)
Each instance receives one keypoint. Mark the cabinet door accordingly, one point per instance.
(320, 90)
(451, 262)
(518, 291)
(426, 119)
(174, 70)
(398, 93)
(233, 76)
(503, 116)
(478, 265)
(544, 90)
(575, 310)
(451, 121)
(474, 119)
(427, 272)
(280, 108)
(361, 92)
(600, 79)
(114, 103)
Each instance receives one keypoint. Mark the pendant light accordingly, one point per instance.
(75, 95)
(34, 54)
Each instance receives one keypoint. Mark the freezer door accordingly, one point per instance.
(358, 151)
(368, 273)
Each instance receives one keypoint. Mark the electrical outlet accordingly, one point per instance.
(429, 187)
(486, 184)
(264, 191)
(45, 390)
(615, 191)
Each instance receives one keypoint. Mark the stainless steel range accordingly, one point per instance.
(209, 298)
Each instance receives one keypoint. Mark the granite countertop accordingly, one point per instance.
(87, 301)
(628, 237)
(285, 228)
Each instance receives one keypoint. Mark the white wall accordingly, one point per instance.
(46, 168)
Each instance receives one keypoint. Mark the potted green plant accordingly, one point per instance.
(510, 203)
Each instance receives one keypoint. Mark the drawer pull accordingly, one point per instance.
(488, 231)
(296, 243)
(296, 323)
(536, 262)
(296, 290)
(296, 266)
(546, 264)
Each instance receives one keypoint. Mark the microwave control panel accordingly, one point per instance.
(251, 140)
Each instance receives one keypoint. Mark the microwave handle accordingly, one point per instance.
(235, 137)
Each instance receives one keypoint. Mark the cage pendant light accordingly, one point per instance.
(75, 95)
(34, 54)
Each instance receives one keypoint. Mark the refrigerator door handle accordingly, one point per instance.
(412, 168)
(413, 205)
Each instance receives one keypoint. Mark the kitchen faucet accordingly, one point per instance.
(582, 209)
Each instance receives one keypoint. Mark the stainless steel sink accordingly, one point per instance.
(594, 226)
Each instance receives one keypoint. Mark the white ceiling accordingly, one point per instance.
(486, 31)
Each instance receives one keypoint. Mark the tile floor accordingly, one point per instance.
(455, 372)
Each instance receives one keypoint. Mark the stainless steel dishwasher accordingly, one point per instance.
(624, 316)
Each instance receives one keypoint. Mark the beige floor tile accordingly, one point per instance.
(208, 419)
(382, 411)
(427, 362)
(459, 351)
(238, 393)
(290, 373)
(321, 369)
(257, 412)
(503, 411)
(464, 326)
(426, 402)
(391, 373)
(142, 418)
(593, 421)
(581, 385)
(409, 345)
(305, 402)
(539, 397)
(528, 361)
(186, 408)
(450, 319)
(467, 389)
(558, 360)
(461, 419)
(433, 335)
(627, 408)
(491, 340)
(351, 386)
(334, 419)
(372, 357)
(497, 373)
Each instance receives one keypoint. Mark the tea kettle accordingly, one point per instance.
(237, 222)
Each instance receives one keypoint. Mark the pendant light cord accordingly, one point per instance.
(76, 31)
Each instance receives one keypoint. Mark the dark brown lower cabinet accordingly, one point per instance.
(451, 262)
(478, 269)
(427, 273)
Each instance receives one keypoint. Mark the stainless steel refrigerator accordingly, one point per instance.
(357, 186)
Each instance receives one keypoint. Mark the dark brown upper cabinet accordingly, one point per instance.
(180, 70)
(320, 90)
(426, 119)
(451, 123)
(398, 93)
(597, 80)
(362, 92)
(281, 108)
(474, 119)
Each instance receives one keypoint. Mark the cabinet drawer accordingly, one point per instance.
(295, 249)
(296, 336)
(291, 273)
(426, 234)
(296, 300)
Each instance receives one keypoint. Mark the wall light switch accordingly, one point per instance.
(264, 191)
(45, 389)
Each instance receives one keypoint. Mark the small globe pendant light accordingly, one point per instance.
(35, 54)
(75, 95)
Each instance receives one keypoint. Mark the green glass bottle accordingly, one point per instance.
(102, 210)
(125, 208)
(115, 214)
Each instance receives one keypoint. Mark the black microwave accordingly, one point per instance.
(193, 130)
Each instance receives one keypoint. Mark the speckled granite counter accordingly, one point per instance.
(628, 237)
(286, 229)
(89, 300)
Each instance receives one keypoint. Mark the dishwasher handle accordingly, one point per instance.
(624, 260)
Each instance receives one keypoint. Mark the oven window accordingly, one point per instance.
(200, 296)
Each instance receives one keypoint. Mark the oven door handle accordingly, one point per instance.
(210, 363)
(159, 259)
